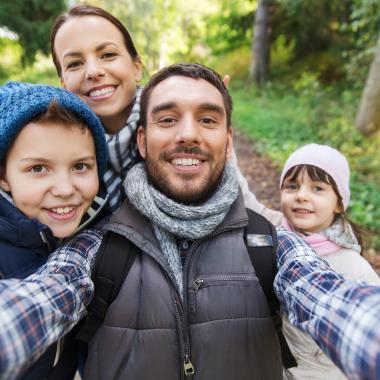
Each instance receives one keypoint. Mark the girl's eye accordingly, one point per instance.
(319, 188)
(38, 169)
(291, 186)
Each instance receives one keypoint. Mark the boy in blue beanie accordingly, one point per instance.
(52, 154)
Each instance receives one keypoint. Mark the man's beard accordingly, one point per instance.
(187, 193)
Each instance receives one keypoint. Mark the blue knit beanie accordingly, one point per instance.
(22, 102)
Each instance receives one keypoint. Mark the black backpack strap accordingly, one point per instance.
(261, 240)
(114, 260)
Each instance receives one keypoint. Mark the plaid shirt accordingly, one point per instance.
(35, 312)
(342, 316)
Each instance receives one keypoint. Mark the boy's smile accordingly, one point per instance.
(51, 173)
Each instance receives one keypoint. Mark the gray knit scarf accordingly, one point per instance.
(171, 220)
(122, 155)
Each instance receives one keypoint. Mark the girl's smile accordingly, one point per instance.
(310, 206)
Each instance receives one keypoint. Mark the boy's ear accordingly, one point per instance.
(3, 180)
(141, 141)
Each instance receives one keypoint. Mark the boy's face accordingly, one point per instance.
(51, 173)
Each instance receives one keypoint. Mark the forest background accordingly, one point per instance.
(301, 70)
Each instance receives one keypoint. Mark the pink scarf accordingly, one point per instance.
(318, 242)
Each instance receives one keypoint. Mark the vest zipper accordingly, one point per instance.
(188, 366)
(220, 279)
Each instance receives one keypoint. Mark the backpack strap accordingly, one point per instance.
(114, 260)
(261, 240)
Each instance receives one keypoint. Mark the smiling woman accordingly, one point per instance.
(96, 59)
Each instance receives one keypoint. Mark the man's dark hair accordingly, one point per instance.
(190, 70)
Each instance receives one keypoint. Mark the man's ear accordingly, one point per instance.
(141, 141)
(230, 142)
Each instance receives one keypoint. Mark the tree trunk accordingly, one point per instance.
(260, 45)
(368, 117)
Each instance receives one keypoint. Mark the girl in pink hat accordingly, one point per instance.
(314, 197)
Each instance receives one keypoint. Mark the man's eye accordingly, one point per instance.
(38, 169)
(207, 120)
(166, 121)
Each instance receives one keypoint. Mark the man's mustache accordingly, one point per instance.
(186, 150)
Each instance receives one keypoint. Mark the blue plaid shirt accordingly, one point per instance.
(341, 315)
(37, 311)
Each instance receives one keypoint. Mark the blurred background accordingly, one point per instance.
(301, 70)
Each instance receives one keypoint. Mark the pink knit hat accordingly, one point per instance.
(327, 159)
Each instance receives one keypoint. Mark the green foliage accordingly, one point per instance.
(230, 28)
(10, 56)
(32, 21)
(284, 117)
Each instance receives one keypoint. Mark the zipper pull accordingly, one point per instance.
(197, 284)
(188, 366)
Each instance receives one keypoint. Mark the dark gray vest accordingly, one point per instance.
(222, 326)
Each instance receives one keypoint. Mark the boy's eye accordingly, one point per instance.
(81, 167)
(38, 169)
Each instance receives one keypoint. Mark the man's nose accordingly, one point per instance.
(188, 131)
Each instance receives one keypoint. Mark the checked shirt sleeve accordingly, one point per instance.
(342, 316)
(37, 311)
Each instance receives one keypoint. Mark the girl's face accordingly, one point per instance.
(96, 66)
(310, 206)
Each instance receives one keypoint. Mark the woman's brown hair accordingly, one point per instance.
(89, 10)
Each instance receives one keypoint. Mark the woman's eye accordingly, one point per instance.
(108, 55)
(38, 169)
(73, 64)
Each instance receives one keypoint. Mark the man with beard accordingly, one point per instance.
(191, 305)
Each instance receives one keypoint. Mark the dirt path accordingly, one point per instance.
(259, 171)
(263, 179)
